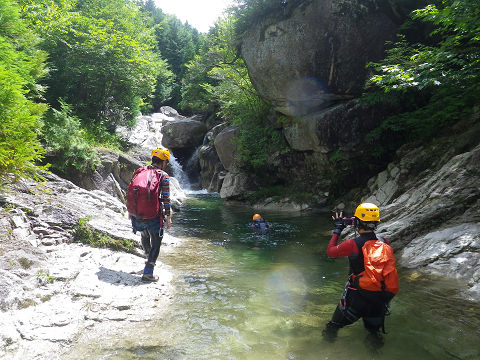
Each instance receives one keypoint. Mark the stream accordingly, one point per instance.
(239, 295)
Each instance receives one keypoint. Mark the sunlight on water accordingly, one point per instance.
(241, 296)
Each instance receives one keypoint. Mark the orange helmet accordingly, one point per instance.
(257, 216)
(162, 154)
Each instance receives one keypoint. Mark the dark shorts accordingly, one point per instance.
(152, 226)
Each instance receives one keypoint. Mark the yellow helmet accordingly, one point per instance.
(162, 154)
(257, 216)
(367, 212)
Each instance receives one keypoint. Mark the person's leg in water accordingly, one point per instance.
(375, 323)
(156, 242)
(345, 314)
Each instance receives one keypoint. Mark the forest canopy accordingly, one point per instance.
(73, 71)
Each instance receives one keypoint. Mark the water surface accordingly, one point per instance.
(240, 295)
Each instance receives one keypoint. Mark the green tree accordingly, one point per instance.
(219, 76)
(102, 54)
(67, 142)
(178, 43)
(21, 65)
(437, 84)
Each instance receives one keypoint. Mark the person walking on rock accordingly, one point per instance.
(148, 205)
(373, 279)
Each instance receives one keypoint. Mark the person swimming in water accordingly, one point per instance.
(259, 224)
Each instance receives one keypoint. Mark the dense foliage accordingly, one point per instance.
(437, 84)
(95, 63)
(220, 76)
(101, 55)
(21, 65)
(67, 142)
(178, 44)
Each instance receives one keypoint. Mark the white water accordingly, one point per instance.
(179, 174)
(148, 135)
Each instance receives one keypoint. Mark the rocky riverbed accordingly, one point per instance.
(53, 291)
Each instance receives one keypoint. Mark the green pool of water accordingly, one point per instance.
(244, 296)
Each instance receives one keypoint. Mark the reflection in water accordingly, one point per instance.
(240, 296)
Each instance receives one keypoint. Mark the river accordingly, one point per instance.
(244, 296)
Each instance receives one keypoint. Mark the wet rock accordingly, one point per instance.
(234, 185)
(212, 171)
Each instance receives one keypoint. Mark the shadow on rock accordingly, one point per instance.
(118, 277)
(152, 352)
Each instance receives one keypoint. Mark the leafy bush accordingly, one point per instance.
(103, 56)
(21, 64)
(437, 84)
(66, 140)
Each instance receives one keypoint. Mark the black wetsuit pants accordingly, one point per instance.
(151, 242)
(356, 304)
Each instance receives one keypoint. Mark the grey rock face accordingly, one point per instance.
(341, 127)
(226, 148)
(183, 134)
(317, 55)
(453, 250)
(234, 185)
(212, 171)
(430, 201)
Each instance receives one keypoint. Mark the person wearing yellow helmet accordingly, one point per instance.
(162, 154)
(149, 214)
(360, 298)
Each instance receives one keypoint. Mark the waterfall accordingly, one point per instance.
(179, 174)
(147, 135)
(182, 176)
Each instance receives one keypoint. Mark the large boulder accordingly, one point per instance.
(226, 147)
(212, 171)
(183, 134)
(235, 185)
(317, 54)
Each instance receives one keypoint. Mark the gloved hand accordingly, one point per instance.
(338, 223)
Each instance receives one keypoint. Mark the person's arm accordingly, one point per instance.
(346, 248)
(165, 195)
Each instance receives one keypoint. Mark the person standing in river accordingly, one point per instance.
(148, 204)
(373, 279)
